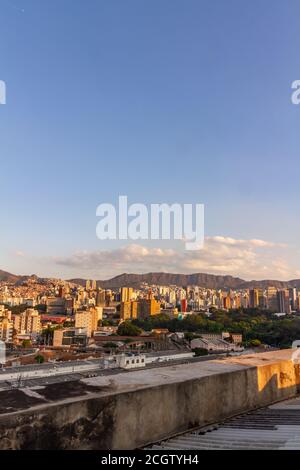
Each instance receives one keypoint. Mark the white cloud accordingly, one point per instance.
(253, 242)
(249, 259)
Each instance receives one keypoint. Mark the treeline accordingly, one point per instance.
(252, 323)
(17, 309)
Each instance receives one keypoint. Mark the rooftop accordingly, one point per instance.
(111, 409)
(274, 427)
(49, 366)
(107, 382)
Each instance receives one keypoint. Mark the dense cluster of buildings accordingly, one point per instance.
(77, 311)
(17, 327)
(132, 308)
(179, 301)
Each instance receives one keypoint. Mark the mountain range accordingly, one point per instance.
(201, 279)
(166, 279)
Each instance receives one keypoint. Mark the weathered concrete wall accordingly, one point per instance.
(140, 407)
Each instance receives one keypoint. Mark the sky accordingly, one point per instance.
(184, 101)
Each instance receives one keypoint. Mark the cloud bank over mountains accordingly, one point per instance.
(249, 259)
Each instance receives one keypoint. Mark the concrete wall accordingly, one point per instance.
(132, 414)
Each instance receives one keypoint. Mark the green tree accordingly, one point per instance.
(42, 308)
(39, 359)
(188, 336)
(110, 345)
(16, 309)
(200, 352)
(128, 329)
(255, 343)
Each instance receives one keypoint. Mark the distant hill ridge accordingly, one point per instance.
(166, 279)
(201, 279)
(7, 277)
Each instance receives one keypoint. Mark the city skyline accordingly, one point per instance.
(189, 104)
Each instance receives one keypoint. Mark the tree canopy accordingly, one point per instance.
(254, 324)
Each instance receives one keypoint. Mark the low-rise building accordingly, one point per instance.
(70, 337)
(130, 361)
(106, 331)
(214, 345)
(237, 338)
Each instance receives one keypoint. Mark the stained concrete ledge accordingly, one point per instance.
(129, 410)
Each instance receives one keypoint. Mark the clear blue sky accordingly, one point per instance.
(164, 101)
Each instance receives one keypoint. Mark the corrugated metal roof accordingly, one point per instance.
(274, 427)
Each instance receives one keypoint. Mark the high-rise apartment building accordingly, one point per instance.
(88, 285)
(125, 310)
(227, 302)
(293, 298)
(262, 299)
(272, 299)
(147, 308)
(100, 298)
(283, 301)
(28, 322)
(126, 294)
(142, 308)
(183, 305)
(6, 326)
(88, 319)
(253, 298)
